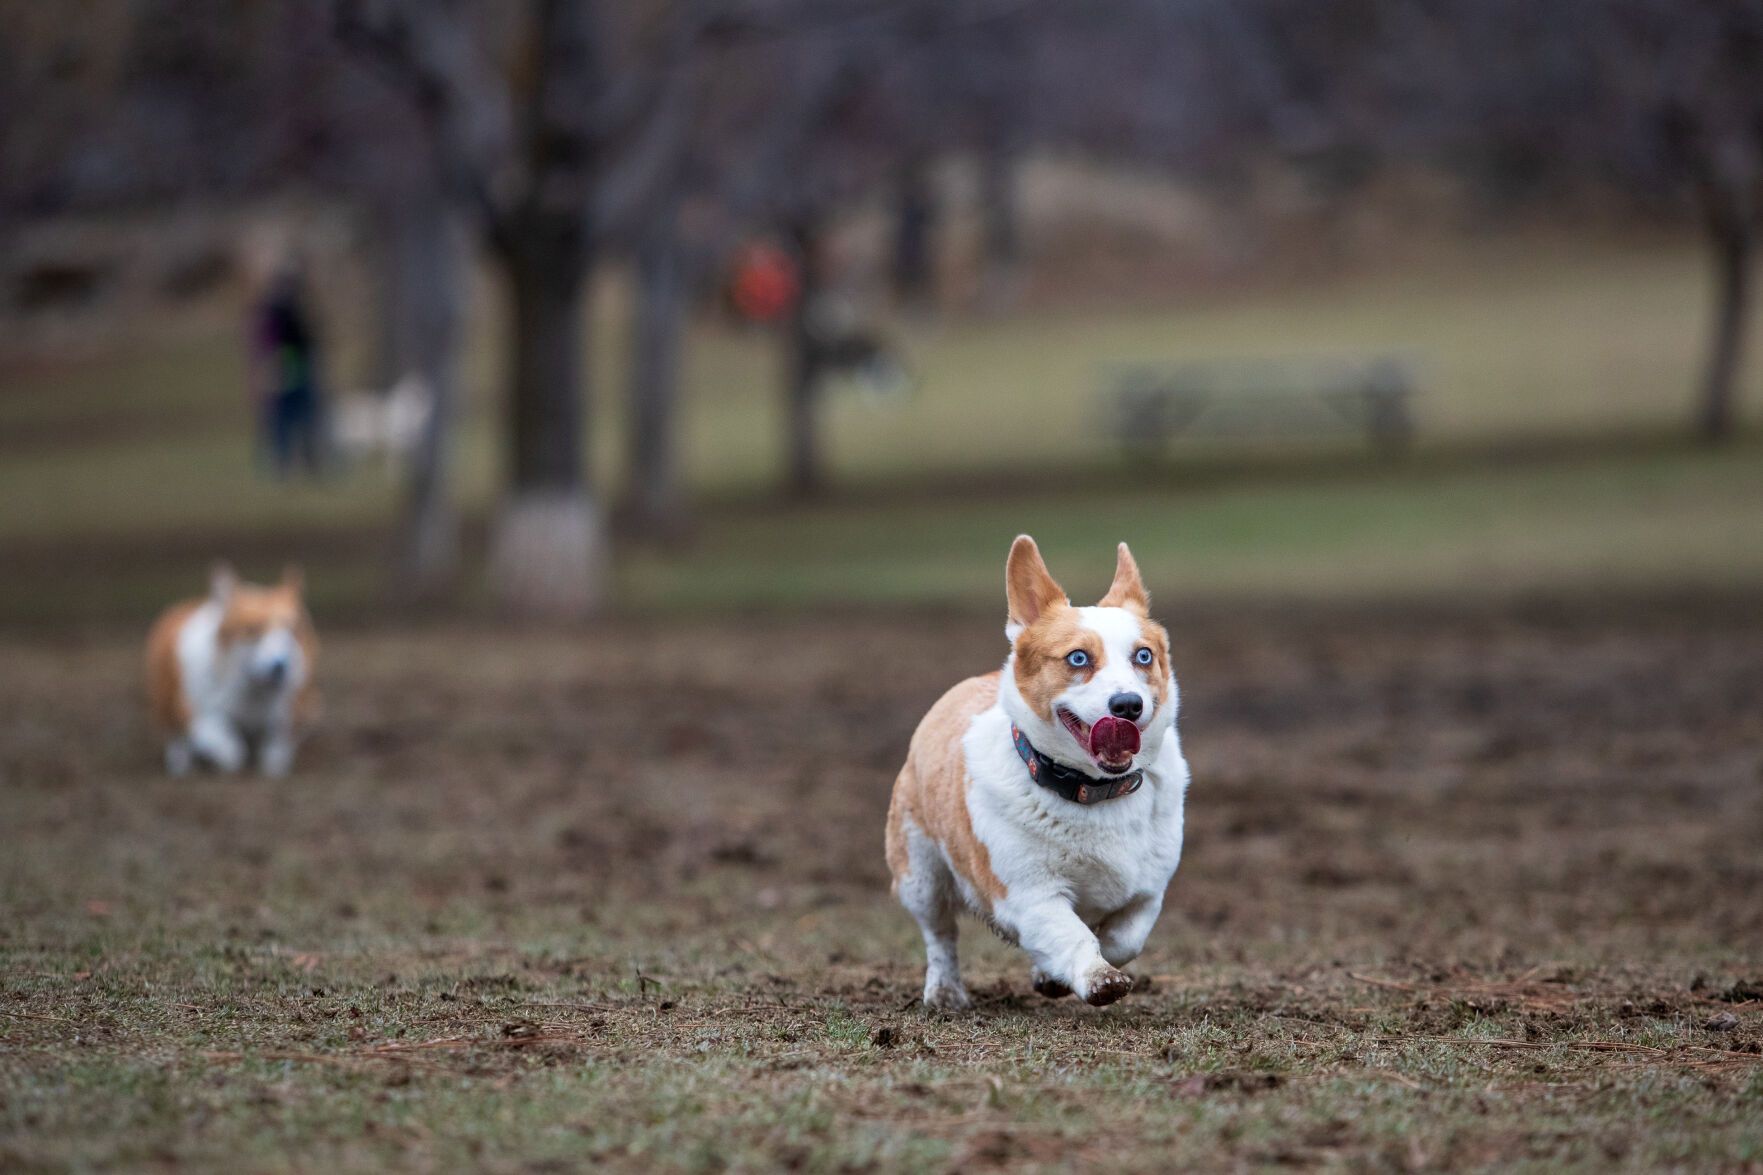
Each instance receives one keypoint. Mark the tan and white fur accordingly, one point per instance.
(231, 675)
(1078, 886)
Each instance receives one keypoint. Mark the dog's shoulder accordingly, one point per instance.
(308, 704)
(931, 791)
(165, 691)
(936, 759)
(306, 636)
(939, 733)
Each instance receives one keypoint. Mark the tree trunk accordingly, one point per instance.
(548, 550)
(806, 477)
(655, 501)
(424, 284)
(547, 555)
(546, 439)
(914, 228)
(999, 208)
(1734, 242)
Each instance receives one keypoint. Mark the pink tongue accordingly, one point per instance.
(1114, 740)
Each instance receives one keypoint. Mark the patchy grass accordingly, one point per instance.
(1462, 890)
(1564, 524)
(1459, 894)
(1626, 522)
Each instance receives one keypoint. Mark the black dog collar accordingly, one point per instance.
(1068, 782)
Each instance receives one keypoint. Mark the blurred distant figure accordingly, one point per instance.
(915, 226)
(284, 376)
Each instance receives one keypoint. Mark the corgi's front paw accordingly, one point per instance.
(1050, 987)
(947, 997)
(1104, 985)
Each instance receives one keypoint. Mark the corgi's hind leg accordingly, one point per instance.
(928, 892)
(179, 757)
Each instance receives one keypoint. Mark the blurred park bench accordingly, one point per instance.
(1148, 405)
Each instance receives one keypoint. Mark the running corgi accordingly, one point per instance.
(1047, 798)
(232, 674)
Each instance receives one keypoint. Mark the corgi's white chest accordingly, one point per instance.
(1108, 871)
(215, 676)
(1103, 855)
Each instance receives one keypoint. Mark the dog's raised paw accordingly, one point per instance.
(1051, 988)
(1108, 985)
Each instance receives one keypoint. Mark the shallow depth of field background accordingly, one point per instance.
(1476, 728)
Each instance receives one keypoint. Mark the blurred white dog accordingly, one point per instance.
(389, 424)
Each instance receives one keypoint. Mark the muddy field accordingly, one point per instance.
(1458, 892)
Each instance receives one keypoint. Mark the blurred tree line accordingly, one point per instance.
(556, 134)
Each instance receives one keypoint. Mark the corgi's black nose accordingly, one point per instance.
(1127, 706)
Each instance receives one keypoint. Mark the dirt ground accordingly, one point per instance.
(1459, 892)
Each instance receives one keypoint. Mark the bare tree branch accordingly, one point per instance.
(433, 59)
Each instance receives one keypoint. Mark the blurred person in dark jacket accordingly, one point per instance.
(284, 375)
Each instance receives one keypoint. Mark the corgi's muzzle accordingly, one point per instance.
(1110, 740)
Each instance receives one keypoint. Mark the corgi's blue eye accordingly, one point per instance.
(1077, 658)
(1143, 657)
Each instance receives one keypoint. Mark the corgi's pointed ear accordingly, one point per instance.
(1128, 590)
(1028, 586)
(222, 579)
(293, 578)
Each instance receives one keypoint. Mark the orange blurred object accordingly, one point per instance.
(766, 283)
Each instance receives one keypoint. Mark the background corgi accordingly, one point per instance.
(1047, 798)
(232, 674)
